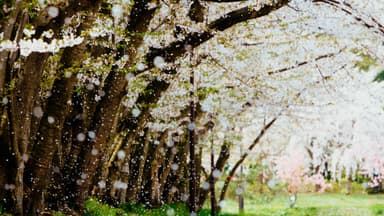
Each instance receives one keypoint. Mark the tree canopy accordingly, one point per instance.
(98, 97)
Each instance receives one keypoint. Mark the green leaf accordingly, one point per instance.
(365, 62)
(379, 77)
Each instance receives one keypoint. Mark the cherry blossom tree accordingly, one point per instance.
(95, 94)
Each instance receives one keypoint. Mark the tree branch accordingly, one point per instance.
(194, 39)
(369, 21)
(244, 14)
(281, 70)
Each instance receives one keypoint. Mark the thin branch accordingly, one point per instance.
(218, 63)
(252, 44)
(368, 22)
(323, 78)
(281, 70)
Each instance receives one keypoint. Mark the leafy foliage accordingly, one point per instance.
(96, 208)
(365, 62)
(379, 77)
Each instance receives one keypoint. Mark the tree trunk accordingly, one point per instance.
(50, 131)
(106, 111)
(220, 163)
(7, 34)
(22, 102)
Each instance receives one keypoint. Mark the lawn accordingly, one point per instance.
(308, 204)
(312, 204)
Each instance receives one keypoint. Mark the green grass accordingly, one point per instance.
(95, 208)
(307, 205)
(313, 204)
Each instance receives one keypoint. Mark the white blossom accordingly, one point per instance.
(141, 66)
(80, 137)
(170, 143)
(47, 34)
(83, 176)
(53, 11)
(170, 212)
(38, 112)
(91, 134)
(129, 76)
(4, 100)
(239, 191)
(101, 184)
(51, 119)
(29, 32)
(8, 45)
(222, 203)
(191, 126)
(25, 157)
(135, 112)
(120, 185)
(216, 173)
(121, 154)
(94, 152)
(117, 11)
(38, 45)
(159, 62)
(174, 167)
(67, 74)
(205, 186)
(42, 3)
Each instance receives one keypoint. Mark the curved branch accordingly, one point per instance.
(368, 21)
(244, 14)
(194, 39)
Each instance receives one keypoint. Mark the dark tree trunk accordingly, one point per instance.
(219, 165)
(103, 123)
(39, 166)
(22, 102)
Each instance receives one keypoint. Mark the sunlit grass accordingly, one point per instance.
(307, 205)
(313, 204)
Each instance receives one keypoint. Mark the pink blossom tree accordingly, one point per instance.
(291, 170)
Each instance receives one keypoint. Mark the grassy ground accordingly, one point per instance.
(311, 205)
(328, 204)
